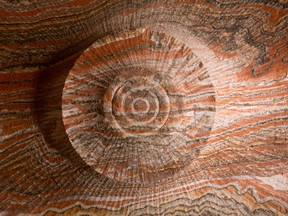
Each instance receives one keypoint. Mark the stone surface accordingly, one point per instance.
(143, 107)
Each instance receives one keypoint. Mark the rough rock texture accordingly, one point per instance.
(144, 107)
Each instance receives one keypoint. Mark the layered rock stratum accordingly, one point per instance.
(143, 107)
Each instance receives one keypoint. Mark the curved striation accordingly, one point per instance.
(143, 107)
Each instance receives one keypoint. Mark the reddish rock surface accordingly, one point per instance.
(143, 107)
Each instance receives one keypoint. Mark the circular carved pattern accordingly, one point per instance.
(137, 105)
(142, 116)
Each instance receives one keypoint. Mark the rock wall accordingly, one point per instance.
(143, 107)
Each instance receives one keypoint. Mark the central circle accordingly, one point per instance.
(140, 106)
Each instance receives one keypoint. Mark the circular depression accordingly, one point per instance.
(138, 107)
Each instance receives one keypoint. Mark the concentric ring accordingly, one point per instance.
(122, 95)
